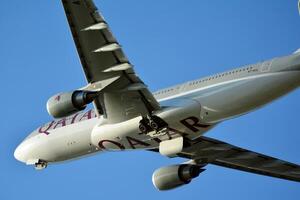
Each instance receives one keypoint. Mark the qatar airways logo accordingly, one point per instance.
(78, 117)
(57, 98)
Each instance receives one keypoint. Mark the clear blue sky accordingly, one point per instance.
(169, 42)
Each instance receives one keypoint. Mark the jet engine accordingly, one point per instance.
(65, 104)
(167, 178)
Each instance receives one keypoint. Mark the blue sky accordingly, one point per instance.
(169, 42)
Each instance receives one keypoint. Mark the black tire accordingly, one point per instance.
(143, 128)
(154, 125)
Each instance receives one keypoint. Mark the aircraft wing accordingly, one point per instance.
(104, 61)
(206, 150)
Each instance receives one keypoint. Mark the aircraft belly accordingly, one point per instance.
(71, 142)
(183, 119)
(237, 98)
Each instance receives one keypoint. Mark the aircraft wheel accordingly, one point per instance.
(40, 165)
(143, 128)
(154, 125)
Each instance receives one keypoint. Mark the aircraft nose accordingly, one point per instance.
(19, 153)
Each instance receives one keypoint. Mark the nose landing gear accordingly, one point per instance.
(41, 165)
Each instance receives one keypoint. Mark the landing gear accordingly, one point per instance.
(144, 127)
(152, 123)
(40, 165)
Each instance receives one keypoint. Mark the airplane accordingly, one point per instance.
(171, 121)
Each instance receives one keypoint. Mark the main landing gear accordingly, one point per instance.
(152, 123)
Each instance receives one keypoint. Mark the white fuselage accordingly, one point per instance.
(190, 109)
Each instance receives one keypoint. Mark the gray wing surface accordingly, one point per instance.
(206, 150)
(102, 58)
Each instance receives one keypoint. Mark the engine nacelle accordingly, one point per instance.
(65, 104)
(167, 178)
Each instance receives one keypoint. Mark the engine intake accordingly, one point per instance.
(65, 104)
(167, 178)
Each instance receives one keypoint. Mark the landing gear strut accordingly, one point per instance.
(40, 165)
(152, 123)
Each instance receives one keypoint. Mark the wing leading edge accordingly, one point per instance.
(206, 150)
(102, 58)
